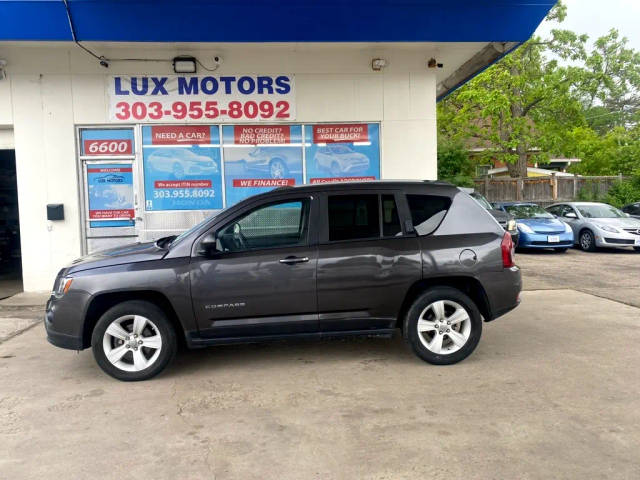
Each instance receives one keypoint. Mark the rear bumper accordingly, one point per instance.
(503, 291)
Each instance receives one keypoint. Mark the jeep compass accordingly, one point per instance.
(312, 261)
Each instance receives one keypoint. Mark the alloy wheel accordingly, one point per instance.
(444, 327)
(585, 240)
(132, 343)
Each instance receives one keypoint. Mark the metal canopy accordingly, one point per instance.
(273, 20)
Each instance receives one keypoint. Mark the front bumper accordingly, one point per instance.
(622, 239)
(62, 321)
(541, 240)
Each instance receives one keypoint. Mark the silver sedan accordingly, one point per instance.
(598, 225)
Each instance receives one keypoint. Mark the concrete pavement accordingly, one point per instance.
(552, 391)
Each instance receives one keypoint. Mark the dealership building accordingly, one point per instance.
(129, 121)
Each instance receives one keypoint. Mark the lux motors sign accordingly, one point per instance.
(192, 98)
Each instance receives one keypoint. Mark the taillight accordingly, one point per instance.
(508, 251)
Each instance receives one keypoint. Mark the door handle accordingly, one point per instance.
(292, 260)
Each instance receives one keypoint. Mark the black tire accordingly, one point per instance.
(561, 249)
(587, 241)
(159, 319)
(410, 330)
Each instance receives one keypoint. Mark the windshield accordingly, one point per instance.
(481, 200)
(600, 211)
(527, 211)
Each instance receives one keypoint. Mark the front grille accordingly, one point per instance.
(619, 241)
(633, 231)
(549, 233)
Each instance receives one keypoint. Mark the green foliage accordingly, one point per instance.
(454, 164)
(521, 104)
(552, 98)
(624, 192)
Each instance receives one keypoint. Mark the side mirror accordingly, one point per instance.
(208, 245)
(570, 215)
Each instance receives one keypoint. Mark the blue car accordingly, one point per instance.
(537, 227)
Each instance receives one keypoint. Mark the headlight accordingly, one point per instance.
(607, 228)
(511, 225)
(63, 286)
(525, 228)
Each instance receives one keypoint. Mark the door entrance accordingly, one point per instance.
(10, 255)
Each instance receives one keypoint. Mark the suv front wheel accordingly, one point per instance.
(133, 340)
(443, 326)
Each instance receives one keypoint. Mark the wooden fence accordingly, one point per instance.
(543, 190)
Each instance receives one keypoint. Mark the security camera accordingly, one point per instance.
(217, 60)
(3, 72)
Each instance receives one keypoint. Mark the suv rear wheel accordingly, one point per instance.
(133, 340)
(443, 326)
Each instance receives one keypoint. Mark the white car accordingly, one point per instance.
(340, 160)
(181, 162)
(598, 225)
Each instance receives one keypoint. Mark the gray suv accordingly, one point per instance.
(298, 262)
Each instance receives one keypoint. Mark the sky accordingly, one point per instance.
(596, 17)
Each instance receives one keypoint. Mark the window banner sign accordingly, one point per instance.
(259, 158)
(182, 167)
(197, 99)
(342, 152)
(110, 195)
(108, 142)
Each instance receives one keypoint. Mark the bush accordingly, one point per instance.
(454, 164)
(624, 192)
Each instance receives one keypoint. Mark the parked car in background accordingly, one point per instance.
(340, 159)
(311, 261)
(505, 220)
(277, 162)
(538, 228)
(633, 210)
(598, 225)
(181, 162)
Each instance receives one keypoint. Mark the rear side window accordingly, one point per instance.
(427, 211)
(353, 217)
(390, 219)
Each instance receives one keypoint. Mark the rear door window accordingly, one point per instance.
(427, 211)
(353, 217)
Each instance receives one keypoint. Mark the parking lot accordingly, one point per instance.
(553, 391)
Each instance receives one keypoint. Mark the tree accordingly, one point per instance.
(610, 90)
(522, 106)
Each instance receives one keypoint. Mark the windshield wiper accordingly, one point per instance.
(164, 242)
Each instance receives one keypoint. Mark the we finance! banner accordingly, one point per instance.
(259, 158)
(198, 99)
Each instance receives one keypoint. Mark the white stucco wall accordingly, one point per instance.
(50, 89)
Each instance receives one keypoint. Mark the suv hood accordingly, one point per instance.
(132, 253)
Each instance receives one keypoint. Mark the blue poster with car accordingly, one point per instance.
(259, 158)
(182, 167)
(342, 152)
(110, 195)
